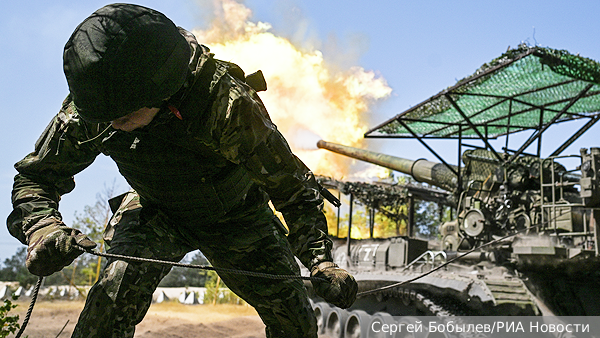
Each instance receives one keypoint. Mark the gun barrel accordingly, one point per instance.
(433, 173)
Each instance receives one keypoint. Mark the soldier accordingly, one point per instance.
(197, 146)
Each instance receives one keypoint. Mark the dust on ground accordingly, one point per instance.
(165, 320)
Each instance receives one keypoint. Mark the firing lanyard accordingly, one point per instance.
(203, 267)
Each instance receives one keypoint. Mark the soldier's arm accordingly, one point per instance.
(246, 135)
(47, 173)
(295, 193)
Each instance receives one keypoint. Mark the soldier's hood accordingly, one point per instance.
(200, 54)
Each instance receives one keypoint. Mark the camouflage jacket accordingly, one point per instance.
(210, 154)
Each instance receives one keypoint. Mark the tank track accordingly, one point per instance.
(334, 322)
(404, 305)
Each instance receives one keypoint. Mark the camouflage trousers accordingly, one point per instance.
(123, 294)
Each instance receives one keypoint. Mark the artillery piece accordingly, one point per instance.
(495, 198)
(524, 226)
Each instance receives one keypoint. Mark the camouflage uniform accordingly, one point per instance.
(203, 171)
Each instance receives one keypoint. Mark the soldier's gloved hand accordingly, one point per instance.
(54, 246)
(340, 288)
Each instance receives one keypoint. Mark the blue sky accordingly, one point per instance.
(419, 47)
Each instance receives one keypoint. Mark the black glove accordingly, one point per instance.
(340, 287)
(53, 246)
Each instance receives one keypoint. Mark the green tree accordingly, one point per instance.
(14, 269)
(213, 295)
(391, 221)
(8, 323)
(427, 219)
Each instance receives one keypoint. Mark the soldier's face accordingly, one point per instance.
(137, 119)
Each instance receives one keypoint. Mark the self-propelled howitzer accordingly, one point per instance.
(525, 231)
(495, 197)
(540, 215)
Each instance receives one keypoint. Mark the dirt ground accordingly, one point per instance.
(165, 320)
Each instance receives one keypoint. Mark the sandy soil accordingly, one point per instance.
(165, 320)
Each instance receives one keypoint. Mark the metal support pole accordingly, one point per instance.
(350, 226)
(426, 146)
(459, 176)
(508, 123)
(551, 122)
(539, 141)
(411, 216)
(468, 120)
(371, 221)
(575, 136)
(596, 217)
(339, 208)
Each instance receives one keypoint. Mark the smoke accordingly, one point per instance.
(307, 99)
(302, 138)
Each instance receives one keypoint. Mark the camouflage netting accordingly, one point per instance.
(523, 89)
(379, 194)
